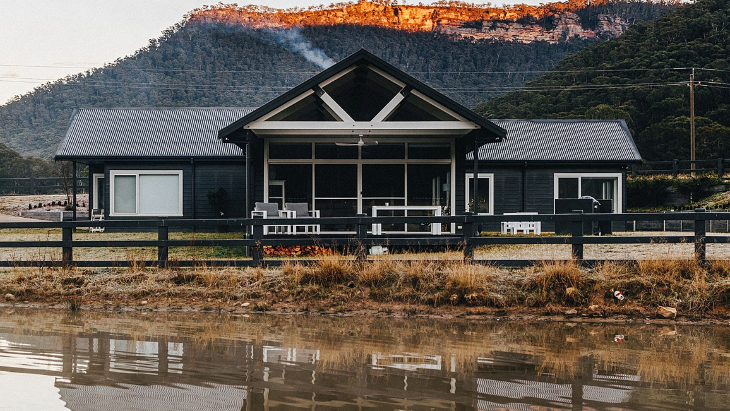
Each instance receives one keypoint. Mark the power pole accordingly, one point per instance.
(692, 120)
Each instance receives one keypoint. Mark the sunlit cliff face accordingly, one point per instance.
(521, 23)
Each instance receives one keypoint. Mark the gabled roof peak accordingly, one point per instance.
(357, 109)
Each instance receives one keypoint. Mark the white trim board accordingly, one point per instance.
(619, 185)
(467, 190)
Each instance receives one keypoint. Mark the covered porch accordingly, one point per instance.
(361, 134)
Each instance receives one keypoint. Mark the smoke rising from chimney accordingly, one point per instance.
(294, 40)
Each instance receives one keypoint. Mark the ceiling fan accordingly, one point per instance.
(359, 143)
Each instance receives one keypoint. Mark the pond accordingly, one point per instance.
(54, 360)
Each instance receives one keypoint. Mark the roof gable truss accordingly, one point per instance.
(361, 99)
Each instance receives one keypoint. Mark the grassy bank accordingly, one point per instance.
(339, 286)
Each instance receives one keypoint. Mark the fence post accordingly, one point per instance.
(361, 234)
(700, 236)
(720, 171)
(675, 168)
(576, 231)
(162, 248)
(67, 248)
(257, 251)
(31, 185)
(467, 233)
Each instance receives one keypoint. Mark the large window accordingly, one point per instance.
(290, 183)
(601, 186)
(345, 179)
(336, 189)
(485, 194)
(146, 193)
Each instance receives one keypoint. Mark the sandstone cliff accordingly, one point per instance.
(552, 22)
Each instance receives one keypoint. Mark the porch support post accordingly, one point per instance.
(92, 191)
(475, 181)
(75, 186)
(248, 176)
(192, 183)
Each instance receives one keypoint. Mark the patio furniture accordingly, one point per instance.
(526, 227)
(301, 210)
(97, 214)
(270, 211)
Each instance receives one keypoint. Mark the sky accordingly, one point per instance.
(45, 40)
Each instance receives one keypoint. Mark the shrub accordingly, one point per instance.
(651, 191)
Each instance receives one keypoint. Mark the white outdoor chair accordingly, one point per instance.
(97, 214)
(271, 211)
(301, 210)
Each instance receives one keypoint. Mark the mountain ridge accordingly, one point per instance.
(551, 22)
(203, 63)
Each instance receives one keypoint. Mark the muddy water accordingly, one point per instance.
(151, 361)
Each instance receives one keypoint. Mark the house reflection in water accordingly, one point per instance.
(104, 370)
(517, 377)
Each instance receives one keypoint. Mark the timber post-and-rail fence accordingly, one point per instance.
(676, 167)
(356, 241)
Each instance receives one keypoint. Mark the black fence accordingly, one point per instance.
(356, 241)
(675, 167)
(40, 185)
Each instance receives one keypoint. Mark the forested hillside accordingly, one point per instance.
(209, 62)
(13, 164)
(643, 77)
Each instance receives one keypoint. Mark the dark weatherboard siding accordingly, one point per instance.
(536, 182)
(209, 175)
(230, 176)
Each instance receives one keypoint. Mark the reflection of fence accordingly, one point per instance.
(676, 167)
(38, 185)
(358, 240)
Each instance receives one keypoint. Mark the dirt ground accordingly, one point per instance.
(15, 205)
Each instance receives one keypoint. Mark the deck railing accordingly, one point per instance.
(354, 242)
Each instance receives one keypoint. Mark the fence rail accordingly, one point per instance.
(355, 242)
(676, 167)
(40, 185)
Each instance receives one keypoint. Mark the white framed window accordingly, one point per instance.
(146, 193)
(597, 185)
(485, 201)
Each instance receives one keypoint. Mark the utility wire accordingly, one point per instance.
(310, 72)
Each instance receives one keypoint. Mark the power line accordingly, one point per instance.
(577, 71)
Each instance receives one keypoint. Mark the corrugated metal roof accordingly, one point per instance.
(149, 132)
(562, 140)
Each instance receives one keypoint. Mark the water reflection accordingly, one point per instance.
(56, 360)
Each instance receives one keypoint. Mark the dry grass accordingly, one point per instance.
(559, 282)
(338, 283)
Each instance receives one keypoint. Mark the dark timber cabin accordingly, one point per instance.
(157, 162)
(540, 161)
(357, 135)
